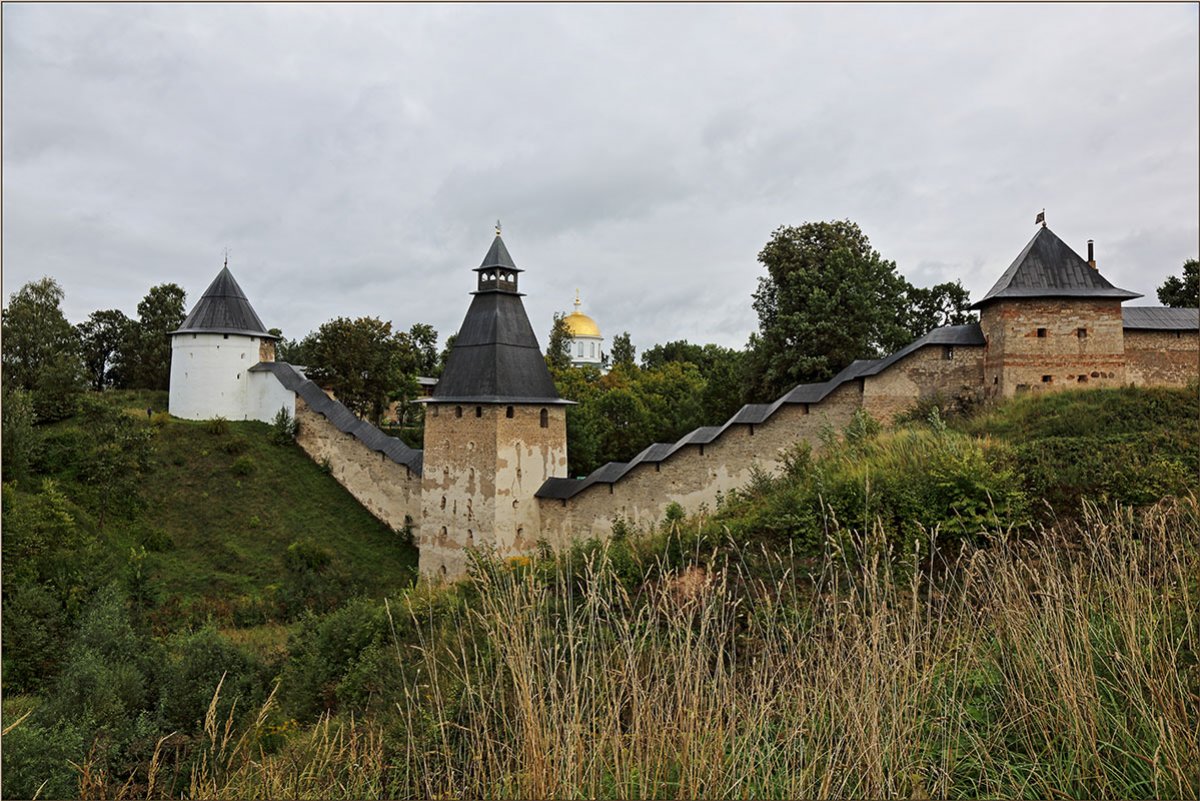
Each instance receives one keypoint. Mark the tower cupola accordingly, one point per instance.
(498, 272)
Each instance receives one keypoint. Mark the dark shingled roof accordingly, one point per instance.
(1048, 268)
(223, 309)
(757, 413)
(496, 357)
(342, 418)
(1161, 318)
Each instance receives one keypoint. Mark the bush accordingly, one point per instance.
(19, 440)
(284, 427)
(203, 660)
(218, 426)
(37, 759)
(243, 466)
(235, 445)
(160, 419)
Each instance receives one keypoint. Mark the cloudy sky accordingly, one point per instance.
(354, 159)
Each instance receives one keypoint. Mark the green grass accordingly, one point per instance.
(218, 539)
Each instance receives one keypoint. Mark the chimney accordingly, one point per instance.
(1091, 255)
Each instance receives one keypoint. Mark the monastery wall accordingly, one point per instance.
(695, 475)
(390, 491)
(1050, 344)
(944, 371)
(1162, 358)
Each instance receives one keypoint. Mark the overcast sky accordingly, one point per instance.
(354, 159)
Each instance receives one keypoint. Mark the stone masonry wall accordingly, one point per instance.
(481, 470)
(387, 490)
(695, 475)
(935, 370)
(1018, 359)
(1162, 358)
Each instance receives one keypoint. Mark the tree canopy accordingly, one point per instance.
(1182, 291)
(146, 357)
(41, 349)
(829, 298)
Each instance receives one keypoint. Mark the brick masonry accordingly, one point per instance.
(1162, 358)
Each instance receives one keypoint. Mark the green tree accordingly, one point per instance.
(627, 425)
(1182, 292)
(584, 425)
(362, 361)
(101, 337)
(19, 440)
(623, 352)
(148, 365)
(41, 349)
(673, 396)
(558, 357)
(828, 298)
(423, 342)
(118, 455)
(723, 369)
(445, 354)
(942, 304)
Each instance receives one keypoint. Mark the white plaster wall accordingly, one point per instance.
(265, 395)
(210, 375)
(592, 350)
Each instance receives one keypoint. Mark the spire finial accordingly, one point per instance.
(577, 303)
(226, 258)
(1041, 218)
(497, 228)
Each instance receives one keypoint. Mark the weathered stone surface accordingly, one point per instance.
(387, 490)
(1162, 358)
(941, 371)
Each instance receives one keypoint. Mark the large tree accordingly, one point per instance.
(1182, 292)
(723, 369)
(828, 298)
(41, 349)
(558, 357)
(147, 362)
(942, 304)
(101, 337)
(623, 352)
(362, 361)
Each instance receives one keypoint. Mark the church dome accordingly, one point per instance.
(579, 324)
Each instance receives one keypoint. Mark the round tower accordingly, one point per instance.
(586, 344)
(212, 354)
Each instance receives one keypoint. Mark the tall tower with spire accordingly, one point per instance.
(495, 429)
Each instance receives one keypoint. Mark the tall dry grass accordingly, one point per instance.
(1065, 666)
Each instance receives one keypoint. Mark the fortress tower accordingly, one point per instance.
(1052, 322)
(211, 356)
(495, 429)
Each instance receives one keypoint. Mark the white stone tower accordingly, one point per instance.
(212, 354)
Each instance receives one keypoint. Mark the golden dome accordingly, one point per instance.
(579, 324)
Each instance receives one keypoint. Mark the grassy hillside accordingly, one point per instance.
(221, 504)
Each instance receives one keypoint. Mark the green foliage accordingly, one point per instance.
(20, 442)
(284, 427)
(364, 362)
(243, 466)
(557, 356)
(146, 352)
(235, 446)
(338, 661)
(1182, 291)
(623, 353)
(41, 350)
(102, 337)
(311, 583)
(218, 426)
(117, 457)
(38, 759)
(828, 298)
(723, 371)
(35, 627)
(201, 661)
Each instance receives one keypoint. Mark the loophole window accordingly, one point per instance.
(545, 419)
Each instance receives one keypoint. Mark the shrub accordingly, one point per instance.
(202, 661)
(19, 441)
(218, 426)
(235, 445)
(284, 427)
(243, 466)
(160, 419)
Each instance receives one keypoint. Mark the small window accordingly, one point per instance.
(1081, 333)
(1046, 379)
(1041, 332)
(193, 336)
(224, 336)
(435, 411)
(579, 350)
(479, 411)
(508, 412)
(544, 419)
(995, 379)
(443, 501)
(947, 352)
(458, 411)
(1082, 379)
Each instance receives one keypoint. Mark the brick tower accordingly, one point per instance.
(495, 429)
(1052, 322)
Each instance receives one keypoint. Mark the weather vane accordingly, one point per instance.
(497, 228)
(226, 257)
(1041, 218)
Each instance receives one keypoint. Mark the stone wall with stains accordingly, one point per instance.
(481, 470)
(941, 371)
(1162, 358)
(389, 491)
(695, 475)
(1052, 344)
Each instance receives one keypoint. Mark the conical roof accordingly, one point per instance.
(223, 309)
(496, 356)
(1048, 268)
